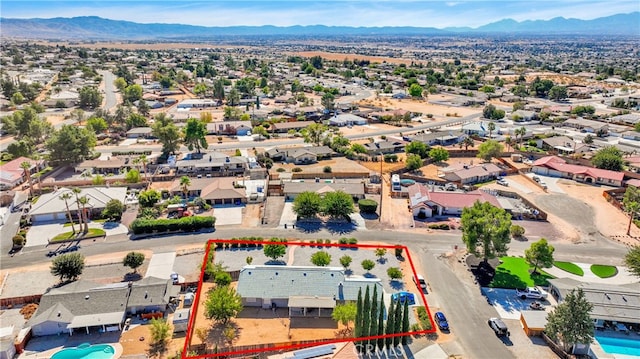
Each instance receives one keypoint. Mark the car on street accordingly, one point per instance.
(402, 297)
(502, 182)
(441, 321)
(420, 282)
(498, 327)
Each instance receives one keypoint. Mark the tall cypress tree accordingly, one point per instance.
(373, 325)
(366, 315)
(405, 322)
(380, 342)
(397, 324)
(390, 326)
(357, 326)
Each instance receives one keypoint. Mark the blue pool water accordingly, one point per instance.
(619, 345)
(86, 351)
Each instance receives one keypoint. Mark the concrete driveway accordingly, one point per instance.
(507, 304)
(228, 215)
(39, 235)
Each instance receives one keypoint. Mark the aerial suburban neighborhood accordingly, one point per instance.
(408, 196)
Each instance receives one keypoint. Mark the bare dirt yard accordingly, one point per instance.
(423, 106)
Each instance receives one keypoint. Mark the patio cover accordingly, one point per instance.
(92, 320)
(311, 302)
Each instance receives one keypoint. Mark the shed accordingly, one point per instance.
(181, 320)
(188, 299)
(533, 321)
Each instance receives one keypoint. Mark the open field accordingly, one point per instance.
(333, 56)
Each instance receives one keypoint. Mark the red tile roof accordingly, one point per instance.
(559, 164)
(419, 194)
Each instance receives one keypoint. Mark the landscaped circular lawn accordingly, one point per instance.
(604, 271)
(93, 233)
(569, 267)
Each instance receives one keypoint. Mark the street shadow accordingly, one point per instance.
(369, 275)
(369, 216)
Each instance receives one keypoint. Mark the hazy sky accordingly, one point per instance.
(422, 13)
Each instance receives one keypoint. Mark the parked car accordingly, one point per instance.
(531, 293)
(441, 321)
(403, 296)
(420, 282)
(536, 178)
(499, 327)
(502, 182)
(175, 278)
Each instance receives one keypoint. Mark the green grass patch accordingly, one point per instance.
(423, 317)
(68, 224)
(569, 267)
(515, 272)
(93, 233)
(604, 271)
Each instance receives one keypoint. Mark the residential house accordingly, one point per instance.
(630, 119)
(479, 128)
(347, 119)
(231, 128)
(631, 135)
(212, 163)
(385, 147)
(468, 174)
(140, 132)
(198, 103)
(151, 294)
(562, 145)
(12, 174)
(112, 166)
(557, 167)
(524, 116)
(219, 190)
(633, 163)
(50, 207)
(300, 155)
(293, 189)
(284, 127)
(442, 138)
(306, 291)
(425, 203)
(587, 125)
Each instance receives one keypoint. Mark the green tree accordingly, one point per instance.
(608, 158)
(233, 97)
(390, 328)
(275, 250)
(307, 204)
(89, 97)
(345, 313)
(631, 203)
(380, 253)
(570, 323)
(488, 110)
(358, 148)
(539, 254)
(68, 266)
(328, 101)
(490, 149)
(314, 133)
(394, 273)
(366, 313)
(357, 330)
(467, 142)
(632, 260)
(167, 133)
(97, 124)
(113, 209)
(485, 229)
(260, 131)
(558, 93)
(132, 93)
(439, 154)
(520, 91)
(345, 261)
(413, 162)
(381, 313)
(373, 321)
(415, 90)
(160, 331)
(132, 176)
(149, 198)
(185, 182)
(222, 304)
(222, 278)
(66, 196)
(321, 258)
(405, 322)
(491, 127)
(218, 90)
(337, 204)
(368, 264)
(120, 83)
(194, 135)
(70, 144)
(133, 260)
(417, 148)
(135, 120)
(26, 168)
(397, 323)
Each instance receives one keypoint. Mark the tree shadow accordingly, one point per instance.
(340, 227)
(157, 349)
(308, 226)
(369, 275)
(276, 262)
(132, 277)
(396, 285)
(369, 216)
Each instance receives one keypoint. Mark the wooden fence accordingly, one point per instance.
(19, 301)
(245, 350)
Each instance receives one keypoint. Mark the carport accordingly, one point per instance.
(306, 306)
(533, 321)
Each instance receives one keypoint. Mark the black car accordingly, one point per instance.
(499, 327)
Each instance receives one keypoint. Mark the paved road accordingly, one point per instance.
(110, 100)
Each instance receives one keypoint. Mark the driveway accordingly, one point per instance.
(507, 304)
(288, 216)
(228, 215)
(39, 235)
(552, 183)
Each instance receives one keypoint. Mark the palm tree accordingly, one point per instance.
(84, 200)
(508, 141)
(467, 142)
(26, 167)
(491, 127)
(143, 159)
(520, 132)
(76, 191)
(65, 197)
(185, 182)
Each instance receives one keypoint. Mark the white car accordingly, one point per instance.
(531, 293)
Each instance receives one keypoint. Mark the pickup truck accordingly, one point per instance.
(531, 293)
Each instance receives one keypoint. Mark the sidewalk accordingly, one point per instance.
(623, 276)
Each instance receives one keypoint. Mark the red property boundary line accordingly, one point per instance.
(196, 302)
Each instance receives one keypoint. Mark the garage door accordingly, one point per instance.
(49, 217)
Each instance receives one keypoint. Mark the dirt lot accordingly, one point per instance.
(337, 164)
(423, 106)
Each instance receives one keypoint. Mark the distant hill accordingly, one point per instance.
(97, 28)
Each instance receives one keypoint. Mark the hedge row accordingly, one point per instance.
(186, 224)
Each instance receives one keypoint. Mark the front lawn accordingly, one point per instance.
(93, 233)
(604, 271)
(569, 267)
(515, 272)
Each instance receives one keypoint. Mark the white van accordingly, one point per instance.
(420, 282)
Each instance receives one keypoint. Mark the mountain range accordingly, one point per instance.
(97, 28)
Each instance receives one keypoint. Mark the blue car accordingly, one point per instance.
(403, 296)
(441, 321)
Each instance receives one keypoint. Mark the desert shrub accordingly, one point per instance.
(444, 226)
(296, 169)
(353, 241)
(18, 240)
(280, 169)
(517, 231)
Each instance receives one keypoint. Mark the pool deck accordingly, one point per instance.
(32, 353)
(601, 354)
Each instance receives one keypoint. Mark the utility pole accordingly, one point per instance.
(381, 188)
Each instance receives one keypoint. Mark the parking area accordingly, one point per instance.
(508, 305)
(228, 215)
(39, 235)
(551, 182)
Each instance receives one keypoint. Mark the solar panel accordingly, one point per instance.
(314, 352)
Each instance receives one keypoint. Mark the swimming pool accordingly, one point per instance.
(86, 351)
(619, 346)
